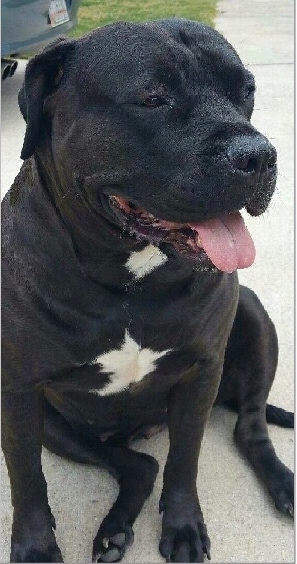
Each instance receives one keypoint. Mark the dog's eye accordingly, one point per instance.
(153, 102)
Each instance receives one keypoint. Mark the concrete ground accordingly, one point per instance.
(242, 522)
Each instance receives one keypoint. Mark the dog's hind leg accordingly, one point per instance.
(135, 472)
(249, 370)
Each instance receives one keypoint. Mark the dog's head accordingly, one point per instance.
(148, 126)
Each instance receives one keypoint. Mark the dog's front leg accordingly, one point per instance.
(32, 538)
(184, 536)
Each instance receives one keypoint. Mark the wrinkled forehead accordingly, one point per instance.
(123, 55)
(130, 53)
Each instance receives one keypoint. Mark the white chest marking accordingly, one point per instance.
(126, 365)
(143, 262)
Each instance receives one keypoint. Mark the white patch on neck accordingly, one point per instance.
(143, 262)
(126, 365)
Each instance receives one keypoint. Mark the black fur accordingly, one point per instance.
(158, 114)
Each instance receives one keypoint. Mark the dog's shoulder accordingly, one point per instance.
(35, 243)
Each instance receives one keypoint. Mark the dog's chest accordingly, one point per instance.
(142, 334)
(141, 263)
(130, 362)
(126, 365)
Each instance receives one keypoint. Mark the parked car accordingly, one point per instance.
(28, 25)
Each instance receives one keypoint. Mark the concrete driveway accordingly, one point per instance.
(242, 522)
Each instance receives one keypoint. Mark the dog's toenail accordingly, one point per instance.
(105, 542)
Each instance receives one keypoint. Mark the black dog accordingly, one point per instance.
(122, 310)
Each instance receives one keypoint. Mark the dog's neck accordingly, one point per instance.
(108, 255)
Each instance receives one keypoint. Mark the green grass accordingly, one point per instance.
(95, 13)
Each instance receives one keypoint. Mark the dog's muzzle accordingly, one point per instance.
(222, 243)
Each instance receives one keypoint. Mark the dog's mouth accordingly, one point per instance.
(223, 243)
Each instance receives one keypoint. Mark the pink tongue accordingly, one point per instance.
(226, 242)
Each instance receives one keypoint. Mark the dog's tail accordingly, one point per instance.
(279, 416)
(274, 415)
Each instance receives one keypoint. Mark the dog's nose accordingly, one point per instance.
(249, 156)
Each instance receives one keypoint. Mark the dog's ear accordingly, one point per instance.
(43, 74)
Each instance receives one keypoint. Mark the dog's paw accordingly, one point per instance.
(184, 536)
(33, 538)
(25, 553)
(186, 544)
(111, 541)
(281, 488)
